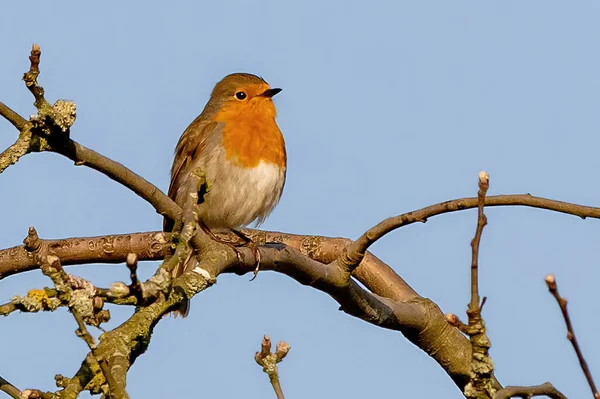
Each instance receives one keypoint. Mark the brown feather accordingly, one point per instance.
(250, 138)
(191, 143)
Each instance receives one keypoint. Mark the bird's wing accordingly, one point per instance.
(190, 146)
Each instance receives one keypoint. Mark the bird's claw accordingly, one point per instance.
(256, 258)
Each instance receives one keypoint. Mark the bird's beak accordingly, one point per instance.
(270, 93)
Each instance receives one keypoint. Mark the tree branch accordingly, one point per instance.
(474, 309)
(390, 304)
(12, 154)
(50, 130)
(482, 367)
(358, 248)
(10, 389)
(481, 383)
(545, 389)
(30, 77)
(268, 361)
(562, 303)
(154, 245)
(15, 119)
(121, 174)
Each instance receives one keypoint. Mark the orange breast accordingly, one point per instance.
(251, 135)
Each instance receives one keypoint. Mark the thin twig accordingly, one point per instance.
(84, 334)
(53, 269)
(357, 249)
(562, 303)
(82, 331)
(482, 369)
(135, 287)
(545, 389)
(269, 361)
(30, 77)
(484, 182)
(60, 143)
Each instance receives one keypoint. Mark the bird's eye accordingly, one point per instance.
(240, 95)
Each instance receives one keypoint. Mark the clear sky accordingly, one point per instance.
(387, 107)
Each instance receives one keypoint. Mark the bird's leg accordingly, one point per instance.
(212, 235)
(252, 245)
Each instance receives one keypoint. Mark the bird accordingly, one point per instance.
(238, 145)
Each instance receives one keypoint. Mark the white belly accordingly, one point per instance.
(239, 196)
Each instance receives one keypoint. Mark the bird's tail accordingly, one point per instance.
(181, 268)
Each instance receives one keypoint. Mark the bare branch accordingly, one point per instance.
(116, 390)
(89, 377)
(562, 303)
(15, 393)
(377, 276)
(154, 245)
(356, 251)
(268, 361)
(391, 304)
(135, 287)
(120, 347)
(15, 119)
(121, 174)
(10, 389)
(46, 299)
(474, 310)
(53, 269)
(62, 116)
(545, 389)
(12, 154)
(481, 383)
(30, 77)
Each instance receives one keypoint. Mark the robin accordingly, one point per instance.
(238, 145)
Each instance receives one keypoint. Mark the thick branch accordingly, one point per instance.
(12, 154)
(378, 276)
(392, 303)
(10, 389)
(153, 245)
(450, 350)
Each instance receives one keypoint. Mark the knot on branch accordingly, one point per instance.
(64, 113)
(54, 121)
(32, 242)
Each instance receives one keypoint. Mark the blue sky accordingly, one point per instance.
(387, 107)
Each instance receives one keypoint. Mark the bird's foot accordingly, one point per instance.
(247, 243)
(212, 235)
(252, 245)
